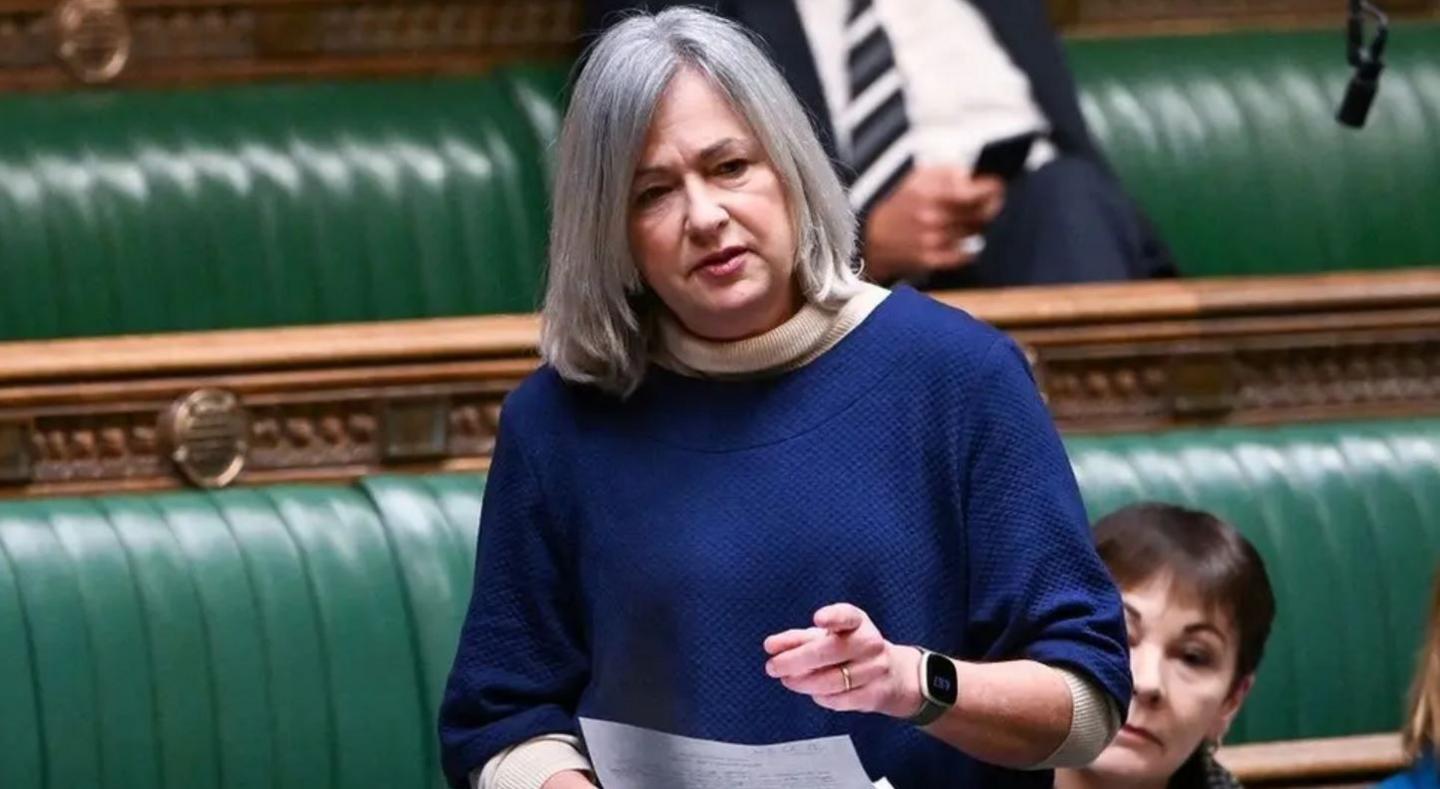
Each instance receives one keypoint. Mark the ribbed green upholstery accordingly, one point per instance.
(273, 204)
(1230, 143)
(268, 205)
(282, 637)
(1347, 518)
(430, 523)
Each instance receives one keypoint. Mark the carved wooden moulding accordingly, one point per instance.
(213, 438)
(1107, 17)
(1256, 380)
(334, 402)
(62, 42)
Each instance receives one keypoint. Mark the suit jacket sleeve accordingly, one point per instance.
(1024, 29)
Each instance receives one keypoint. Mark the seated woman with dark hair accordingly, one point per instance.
(1198, 607)
(1422, 725)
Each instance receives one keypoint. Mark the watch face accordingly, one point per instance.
(942, 684)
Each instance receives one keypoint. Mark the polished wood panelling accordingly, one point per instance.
(67, 43)
(335, 402)
(64, 44)
(1099, 18)
(1322, 762)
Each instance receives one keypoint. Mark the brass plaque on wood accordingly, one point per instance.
(207, 434)
(1202, 384)
(16, 464)
(415, 429)
(94, 38)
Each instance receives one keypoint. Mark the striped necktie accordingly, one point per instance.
(875, 121)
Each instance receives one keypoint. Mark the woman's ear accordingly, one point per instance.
(1230, 708)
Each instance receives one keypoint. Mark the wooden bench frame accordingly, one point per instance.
(336, 402)
(1330, 761)
(60, 44)
(63, 44)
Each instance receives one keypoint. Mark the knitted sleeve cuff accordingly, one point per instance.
(531, 763)
(1094, 721)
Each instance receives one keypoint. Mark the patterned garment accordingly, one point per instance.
(1201, 771)
(1217, 777)
(633, 553)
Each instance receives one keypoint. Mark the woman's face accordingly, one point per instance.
(1182, 656)
(709, 224)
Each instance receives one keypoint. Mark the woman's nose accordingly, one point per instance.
(1146, 672)
(704, 216)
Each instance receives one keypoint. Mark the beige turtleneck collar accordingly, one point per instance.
(812, 331)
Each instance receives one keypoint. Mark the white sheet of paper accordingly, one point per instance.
(632, 757)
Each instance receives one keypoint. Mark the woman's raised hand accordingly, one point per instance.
(845, 664)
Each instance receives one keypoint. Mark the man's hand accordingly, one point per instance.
(568, 779)
(920, 227)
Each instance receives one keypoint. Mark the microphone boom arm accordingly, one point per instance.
(1368, 61)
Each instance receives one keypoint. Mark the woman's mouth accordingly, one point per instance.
(1140, 734)
(723, 263)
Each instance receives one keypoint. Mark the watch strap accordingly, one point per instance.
(930, 711)
(928, 714)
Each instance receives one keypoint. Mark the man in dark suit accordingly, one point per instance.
(906, 93)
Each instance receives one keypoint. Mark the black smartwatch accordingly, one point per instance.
(939, 687)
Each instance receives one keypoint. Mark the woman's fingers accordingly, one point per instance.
(842, 663)
(781, 642)
(856, 643)
(840, 618)
(827, 650)
(830, 680)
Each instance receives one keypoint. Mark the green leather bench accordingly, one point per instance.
(278, 637)
(1230, 144)
(1347, 517)
(299, 636)
(267, 205)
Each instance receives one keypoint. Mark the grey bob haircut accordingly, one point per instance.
(598, 320)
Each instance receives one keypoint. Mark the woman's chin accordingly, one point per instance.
(741, 310)
(1123, 765)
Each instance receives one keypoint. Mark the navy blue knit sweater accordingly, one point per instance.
(634, 555)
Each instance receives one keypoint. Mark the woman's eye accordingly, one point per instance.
(648, 196)
(1197, 658)
(732, 167)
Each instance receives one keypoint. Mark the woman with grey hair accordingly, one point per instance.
(751, 498)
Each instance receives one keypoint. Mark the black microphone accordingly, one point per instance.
(1367, 60)
(1359, 95)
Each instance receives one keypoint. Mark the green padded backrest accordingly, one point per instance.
(269, 637)
(432, 522)
(1230, 144)
(1347, 517)
(267, 205)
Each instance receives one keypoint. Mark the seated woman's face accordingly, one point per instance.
(709, 224)
(1183, 657)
